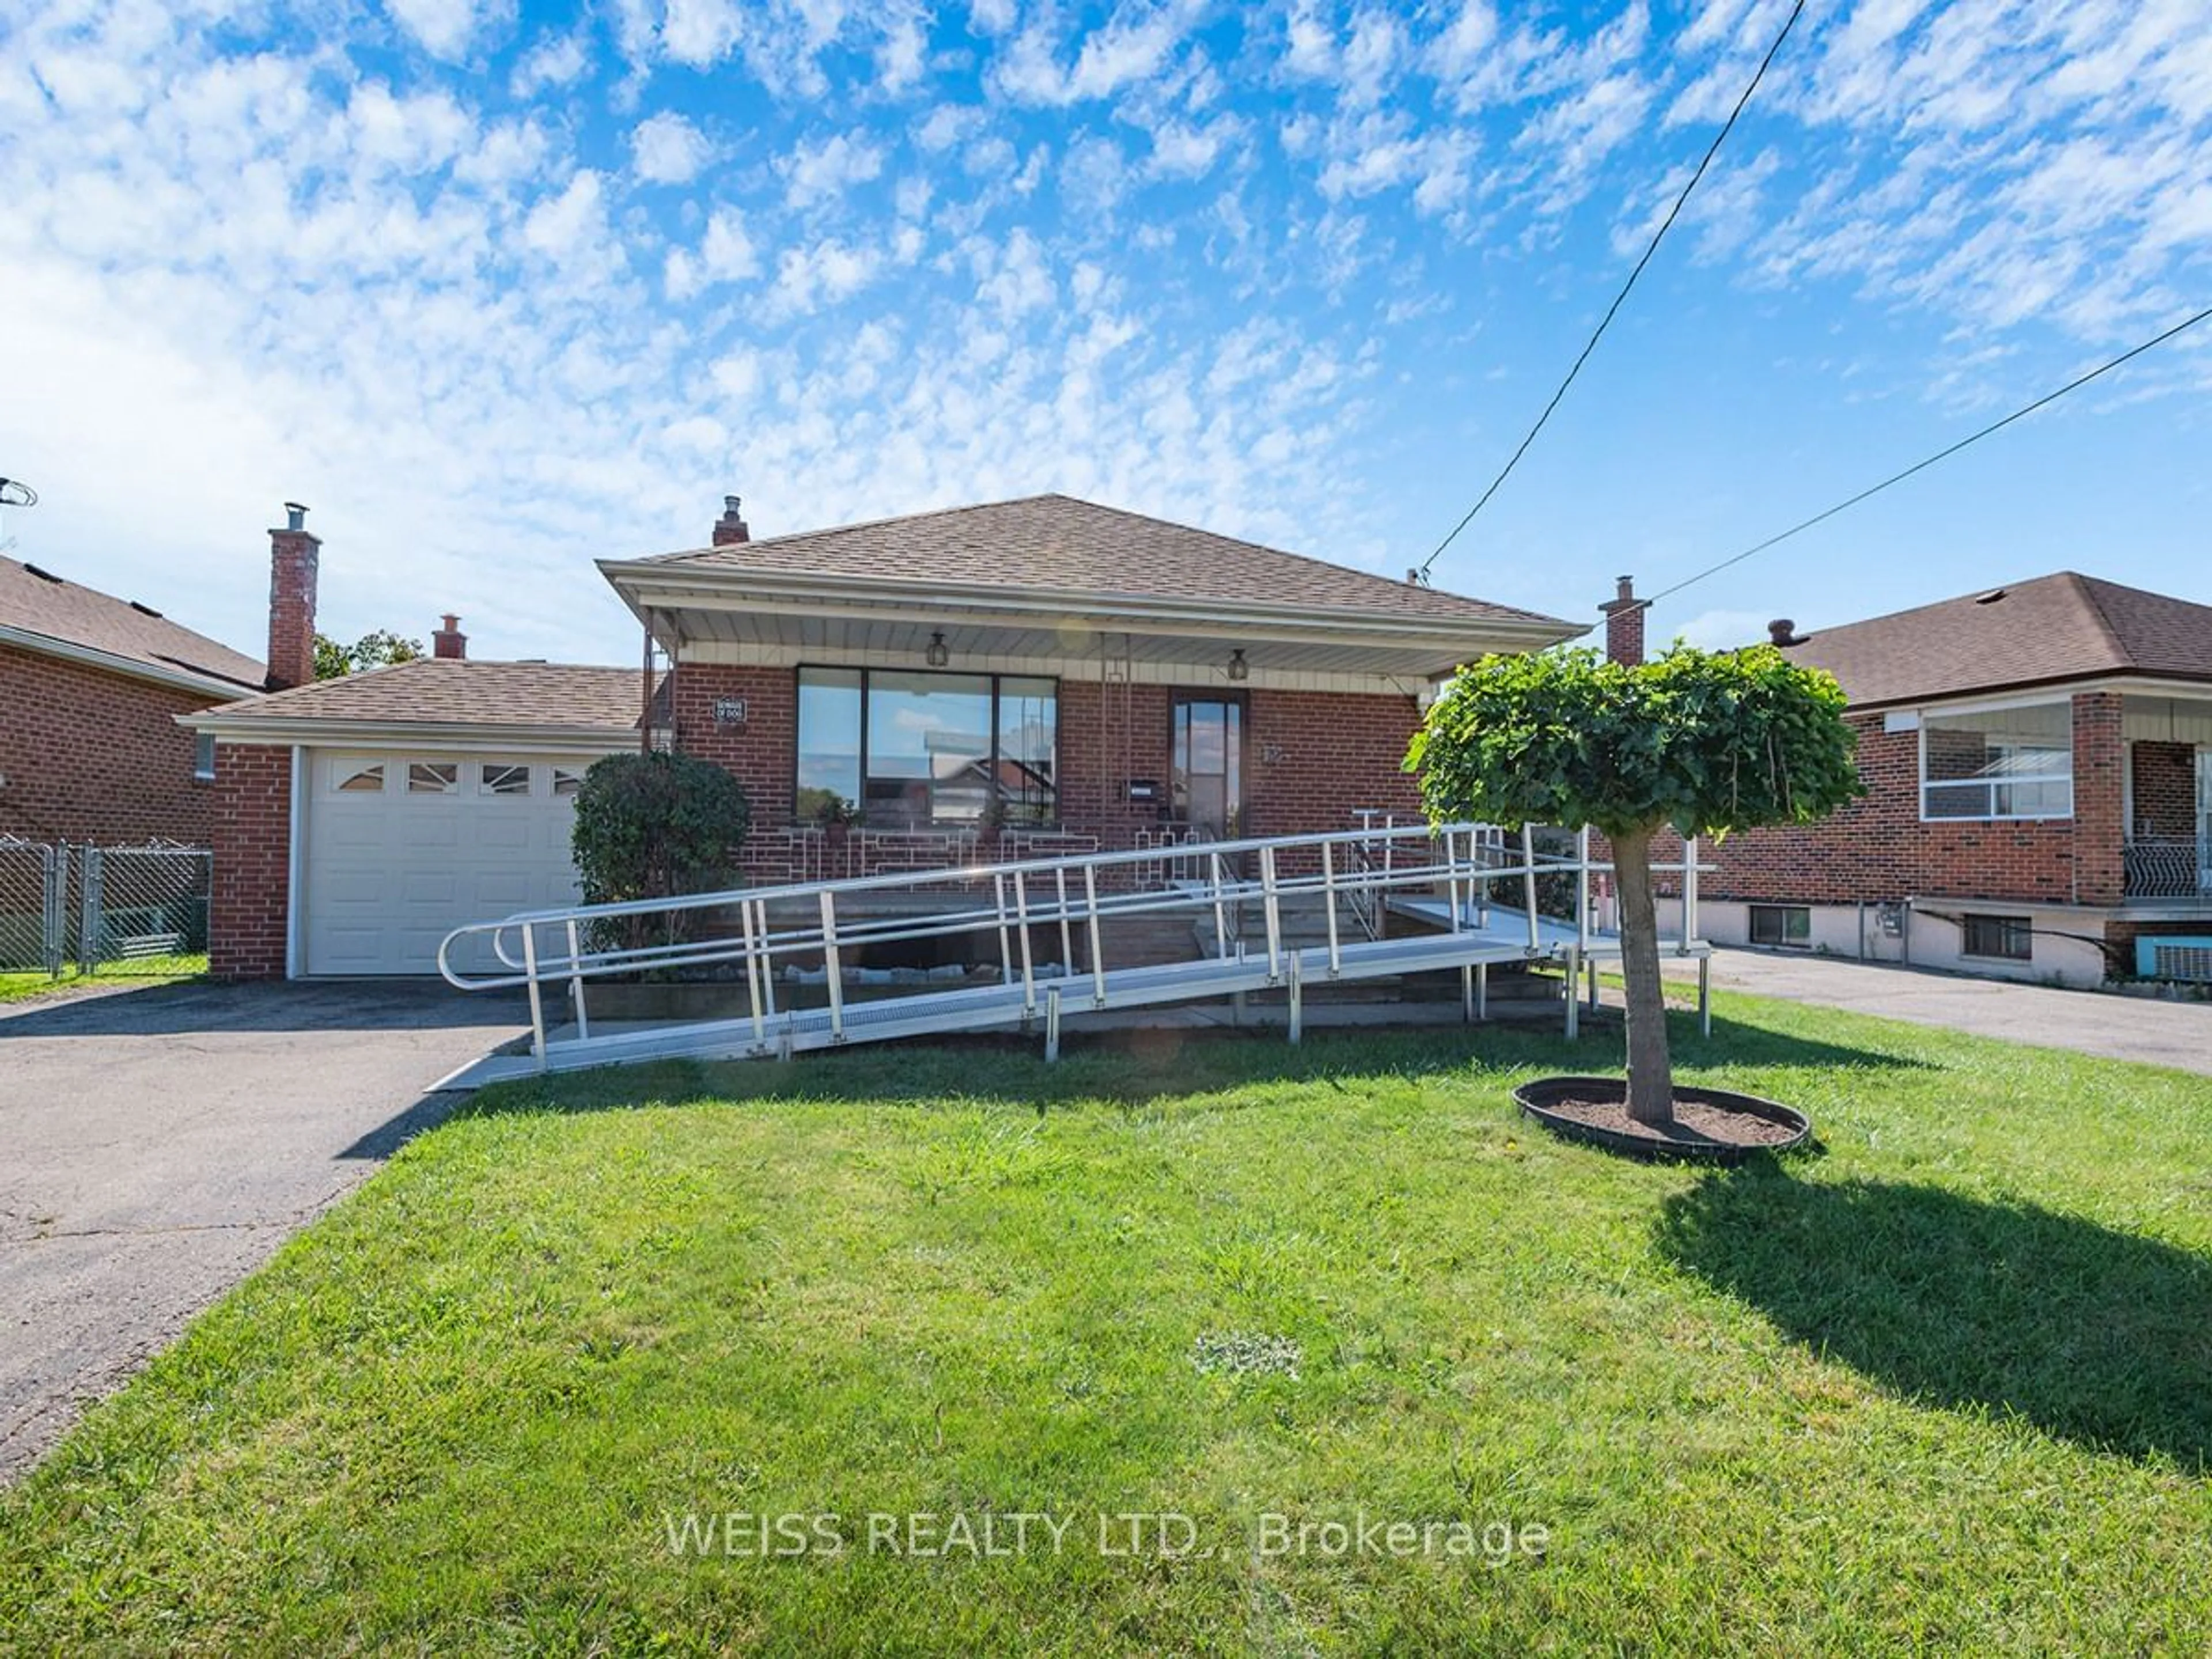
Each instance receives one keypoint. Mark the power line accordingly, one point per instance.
(1941, 455)
(1605, 322)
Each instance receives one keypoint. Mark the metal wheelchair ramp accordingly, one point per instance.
(1377, 903)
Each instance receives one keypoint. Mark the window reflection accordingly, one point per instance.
(896, 748)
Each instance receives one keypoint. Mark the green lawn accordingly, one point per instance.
(1944, 1384)
(17, 987)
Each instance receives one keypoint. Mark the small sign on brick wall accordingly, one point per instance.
(729, 711)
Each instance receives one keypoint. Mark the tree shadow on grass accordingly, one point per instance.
(2102, 1337)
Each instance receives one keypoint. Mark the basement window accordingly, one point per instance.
(2009, 938)
(2011, 763)
(1783, 926)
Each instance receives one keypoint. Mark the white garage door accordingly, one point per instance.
(402, 848)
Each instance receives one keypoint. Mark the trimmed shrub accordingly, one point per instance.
(655, 826)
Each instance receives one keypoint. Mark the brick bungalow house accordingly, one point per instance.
(1047, 674)
(90, 750)
(2039, 759)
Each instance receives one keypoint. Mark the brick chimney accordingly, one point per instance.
(449, 640)
(1624, 624)
(294, 555)
(731, 526)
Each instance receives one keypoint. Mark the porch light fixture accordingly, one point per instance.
(1238, 668)
(937, 656)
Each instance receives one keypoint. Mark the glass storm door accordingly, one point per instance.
(1209, 763)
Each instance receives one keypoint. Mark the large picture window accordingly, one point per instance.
(899, 749)
(2014, 763)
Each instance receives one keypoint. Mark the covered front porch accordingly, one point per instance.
(2166, 855)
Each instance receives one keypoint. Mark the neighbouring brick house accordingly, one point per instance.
(1045, 676)
(90, 750)
(2039, 764)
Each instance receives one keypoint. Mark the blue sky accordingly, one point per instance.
(500, 287)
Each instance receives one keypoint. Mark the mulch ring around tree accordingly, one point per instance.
(1712, 1125)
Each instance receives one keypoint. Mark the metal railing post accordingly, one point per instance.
(832, 965)
(1574, 1002)
(1220, 910)
(1582, 889)
(1271, 907)
(537, 1003)
(752, 969)
(1328, 896)
(1028, 972)
(1529, 882)
(1006, 942)
(1051, 1024)
(1689, 891)
(1297, 999)
(576, 986)
(767, 960)
(1091, 909)
(1066, 932)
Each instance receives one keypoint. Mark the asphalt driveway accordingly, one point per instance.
(157, 1144)
(2159, 1033)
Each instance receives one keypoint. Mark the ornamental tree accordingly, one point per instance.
(1702, 742)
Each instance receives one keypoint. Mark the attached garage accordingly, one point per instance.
(360, 820)
(403, 846)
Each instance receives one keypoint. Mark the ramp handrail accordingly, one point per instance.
(1070, 900)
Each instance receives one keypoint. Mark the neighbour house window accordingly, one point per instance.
(2008, 937)
(903, 748)
(433, 777)
(362, 780)
(503, 777)
(204, 757)
(2014, 763)
(1781, 925)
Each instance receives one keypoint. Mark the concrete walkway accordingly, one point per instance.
(158, 1143)
(2177, 1034)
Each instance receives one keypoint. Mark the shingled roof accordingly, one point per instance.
(38, 603)
(447, 691)
(1060, 545)
(2054, 629)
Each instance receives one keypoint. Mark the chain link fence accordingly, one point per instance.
(103, 909)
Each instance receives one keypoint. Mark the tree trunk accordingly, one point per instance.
(1650, 1072)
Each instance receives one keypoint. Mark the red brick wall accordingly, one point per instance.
(1877, 848)
(1310, 758)
(93, 756)
(251, 904)
(2165, 789)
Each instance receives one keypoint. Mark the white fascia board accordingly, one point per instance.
(362, 734)
(1408, 681)
(2030, 696)
(655, 589)
(181, 679)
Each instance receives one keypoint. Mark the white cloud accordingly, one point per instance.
(447, 29)
(726, 254)
(825, 273)
(667, 149)
(825, 171)
(700, 33)
(556, 61)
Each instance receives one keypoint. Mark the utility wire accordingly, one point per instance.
(1921, 466)
(1605, 322)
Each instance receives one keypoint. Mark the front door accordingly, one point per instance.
(1208, 766)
